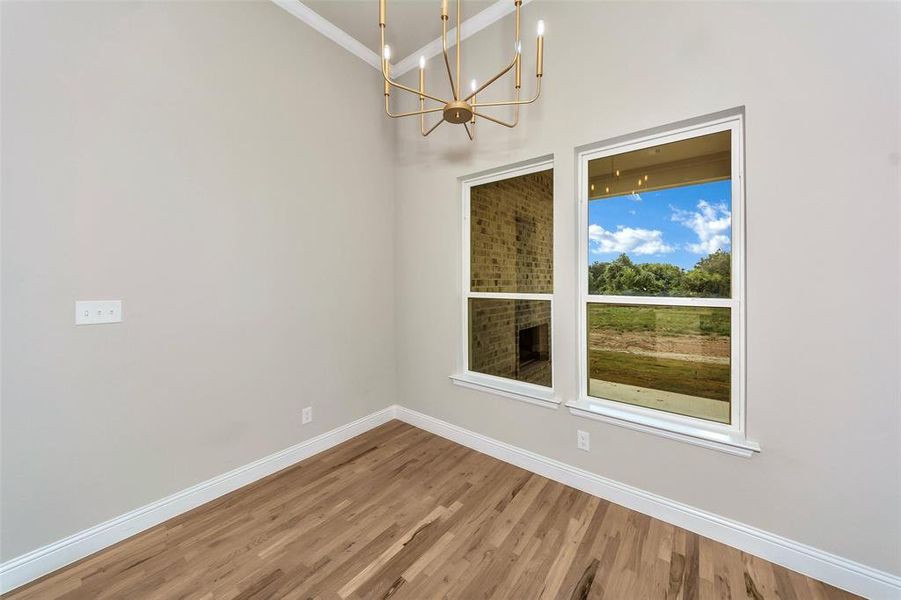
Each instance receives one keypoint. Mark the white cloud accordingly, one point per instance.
(710, 222)
(627, 239)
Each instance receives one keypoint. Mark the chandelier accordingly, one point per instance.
(461, 110)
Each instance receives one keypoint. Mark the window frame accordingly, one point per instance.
(730, 438)
(531, 393)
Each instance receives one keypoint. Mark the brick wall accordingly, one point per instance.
(494, 348)
(511, 236)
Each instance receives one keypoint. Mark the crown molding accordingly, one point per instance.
(470, 26)
(331, 31)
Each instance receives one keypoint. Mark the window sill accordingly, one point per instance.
(688, 430)
(525, 392)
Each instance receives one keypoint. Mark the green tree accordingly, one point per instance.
(619, 275)
(596, 277)
(711, 276)
(668, 279)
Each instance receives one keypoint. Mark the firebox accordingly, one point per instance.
(533, 345)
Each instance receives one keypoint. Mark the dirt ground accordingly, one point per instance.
(697, 348)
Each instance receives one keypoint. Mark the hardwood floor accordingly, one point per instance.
(400, 513)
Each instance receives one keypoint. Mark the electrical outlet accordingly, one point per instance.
(583, 441)
(306, 415)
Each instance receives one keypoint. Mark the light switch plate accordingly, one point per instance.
(97, 312)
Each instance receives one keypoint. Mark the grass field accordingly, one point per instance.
(705, 380)
(678, 349)
(662, 320)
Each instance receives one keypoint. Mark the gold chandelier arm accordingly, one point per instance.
(458, 28)
(393, 83)
(468, 132)
(498, 121)
(492, 80)
(511, 124)
(432, 128)
(410, 114)
(511, 102)
(401, 86)
(450, 75)
(516, 57)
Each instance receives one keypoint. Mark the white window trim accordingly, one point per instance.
(729, 438)
(531, 393)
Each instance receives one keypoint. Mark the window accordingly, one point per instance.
(662, 287)
(508, 283)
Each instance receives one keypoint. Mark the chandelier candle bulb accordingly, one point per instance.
(539, 61)
(421, 79)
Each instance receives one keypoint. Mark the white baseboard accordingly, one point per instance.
(834, 570)
(34, 564)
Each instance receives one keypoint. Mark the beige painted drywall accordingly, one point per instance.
(224, 170)
(160, 153)
(820, 83)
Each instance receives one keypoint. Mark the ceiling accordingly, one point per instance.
(411, 23)
(686, 162)
(414, 26)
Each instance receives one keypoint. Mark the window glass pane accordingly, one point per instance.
(660, 220)
(512, 235)
(672, 358)
(511, 338)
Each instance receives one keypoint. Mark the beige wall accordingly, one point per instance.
(192, 159)
(820, 84)
(164, 153)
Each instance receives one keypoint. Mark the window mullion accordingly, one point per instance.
(509, 295)
(662, 301)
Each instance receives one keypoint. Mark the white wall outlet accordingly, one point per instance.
(306, 415)
(97, 312)
(583, 441)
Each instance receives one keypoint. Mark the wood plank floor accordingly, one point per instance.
(400, 513)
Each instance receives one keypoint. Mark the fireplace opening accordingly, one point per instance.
(533, 345)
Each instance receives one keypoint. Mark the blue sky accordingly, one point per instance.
(677, 225)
